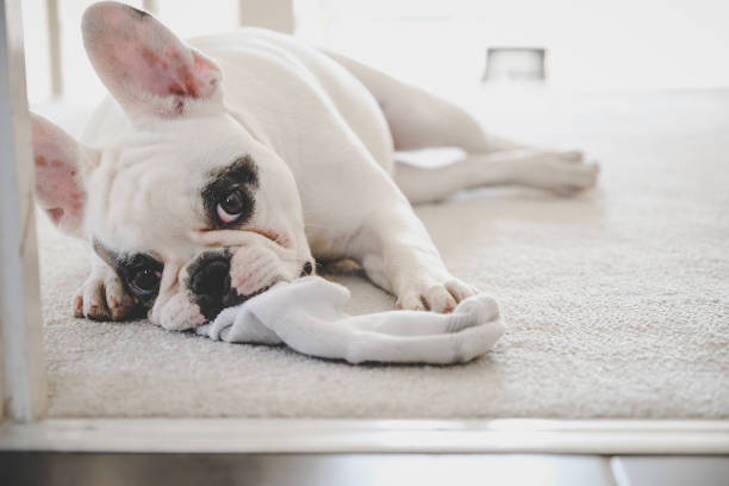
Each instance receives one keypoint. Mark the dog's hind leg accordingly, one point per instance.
(418, 120)
(544, 170)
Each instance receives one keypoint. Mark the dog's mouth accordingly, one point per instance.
(232, 298)
(214, 284)
(210, 310)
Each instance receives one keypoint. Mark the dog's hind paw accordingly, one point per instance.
(564, 173)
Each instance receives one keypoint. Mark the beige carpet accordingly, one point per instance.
(616, 302)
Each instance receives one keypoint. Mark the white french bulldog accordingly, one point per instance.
(227, 163)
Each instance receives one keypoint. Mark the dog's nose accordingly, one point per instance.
(210, 284)
(212, 278)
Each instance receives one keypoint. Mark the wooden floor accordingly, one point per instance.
(104, 469)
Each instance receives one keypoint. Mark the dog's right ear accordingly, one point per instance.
(145, 66)
(61, 165)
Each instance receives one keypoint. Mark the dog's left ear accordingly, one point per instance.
(61, 167)
(145, 66)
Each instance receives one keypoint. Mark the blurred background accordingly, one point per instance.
(559, 45)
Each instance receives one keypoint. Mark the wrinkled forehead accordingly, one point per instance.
(197, 143)
(146, 209)
(149, 193)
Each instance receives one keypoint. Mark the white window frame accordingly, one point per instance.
(22, 367)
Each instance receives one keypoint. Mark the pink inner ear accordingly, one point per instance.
(208, 73)
(57, 184)
(162, 73)
(137, 56)
(167, 73)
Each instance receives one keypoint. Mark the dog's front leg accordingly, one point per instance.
(397, 254)
(102, 297)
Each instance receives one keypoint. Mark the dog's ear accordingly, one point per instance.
(61, 164)
(145, 66)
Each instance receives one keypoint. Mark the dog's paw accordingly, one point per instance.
(102, 298)
(433, 295)
(564, 173)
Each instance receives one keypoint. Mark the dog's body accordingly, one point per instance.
(196, 196)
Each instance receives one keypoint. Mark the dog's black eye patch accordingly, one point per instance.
(140, 273)
(236, 184)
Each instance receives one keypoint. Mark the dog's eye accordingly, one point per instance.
(145, 281)
(231, 207)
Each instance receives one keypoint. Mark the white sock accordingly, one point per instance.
(307, 316)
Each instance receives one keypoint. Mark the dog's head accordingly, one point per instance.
(192, 212)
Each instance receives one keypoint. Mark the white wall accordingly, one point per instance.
(593, 44)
